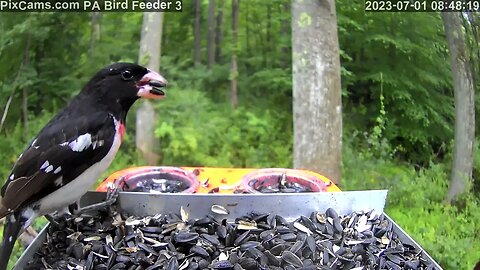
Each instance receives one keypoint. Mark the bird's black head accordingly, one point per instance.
(120, 84)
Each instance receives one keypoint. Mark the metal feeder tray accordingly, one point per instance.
(290, 206)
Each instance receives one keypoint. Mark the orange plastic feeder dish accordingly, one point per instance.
(205, 180)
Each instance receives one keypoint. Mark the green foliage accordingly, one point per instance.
(476, 168)
(397, 101)
(197, 132)
(449, 234)
(415, 201)
(13, 144)
(415, 77)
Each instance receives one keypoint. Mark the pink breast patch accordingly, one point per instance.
(121, 130)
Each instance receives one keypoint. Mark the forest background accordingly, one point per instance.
(396, 89)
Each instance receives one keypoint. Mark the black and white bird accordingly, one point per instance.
(73, 149)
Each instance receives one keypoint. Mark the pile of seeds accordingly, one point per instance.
(110, 240)
(153, 185)
(284, 184)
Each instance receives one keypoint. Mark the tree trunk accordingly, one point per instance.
(149, 55)
(211, 34)
(94, 34)
(7, 107)
(463, 87)
(234, 68)
(218, 35)
(196, 33)
(317, 102)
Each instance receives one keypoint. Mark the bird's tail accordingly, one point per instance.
(13, 225)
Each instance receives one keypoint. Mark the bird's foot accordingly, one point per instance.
(52, 220)
(112, 193)
(58, 221)
(111, 197)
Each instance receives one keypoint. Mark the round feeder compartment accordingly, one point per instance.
(281, 181)
(157, 180)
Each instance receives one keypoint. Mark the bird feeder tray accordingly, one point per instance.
(225, 181)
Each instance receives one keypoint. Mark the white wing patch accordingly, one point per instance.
(44, 165)
(12, 176)
(49, 169)
(75, 189)
(81, 143)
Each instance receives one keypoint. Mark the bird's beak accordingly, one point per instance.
(151, 85)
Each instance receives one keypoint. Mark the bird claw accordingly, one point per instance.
(57, 220)
(113, 192)
(53, 221)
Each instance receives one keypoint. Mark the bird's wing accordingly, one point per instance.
(64, 149)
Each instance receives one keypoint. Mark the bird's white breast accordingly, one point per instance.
(75, 189)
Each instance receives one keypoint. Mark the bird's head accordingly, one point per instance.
(126, 82)
(133, 80)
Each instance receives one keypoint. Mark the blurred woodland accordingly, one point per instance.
(230, 99)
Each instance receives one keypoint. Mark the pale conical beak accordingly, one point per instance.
(151, 85)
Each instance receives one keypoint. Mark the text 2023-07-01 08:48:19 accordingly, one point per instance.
(421, 5)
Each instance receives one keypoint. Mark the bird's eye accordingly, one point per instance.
(127, 75)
